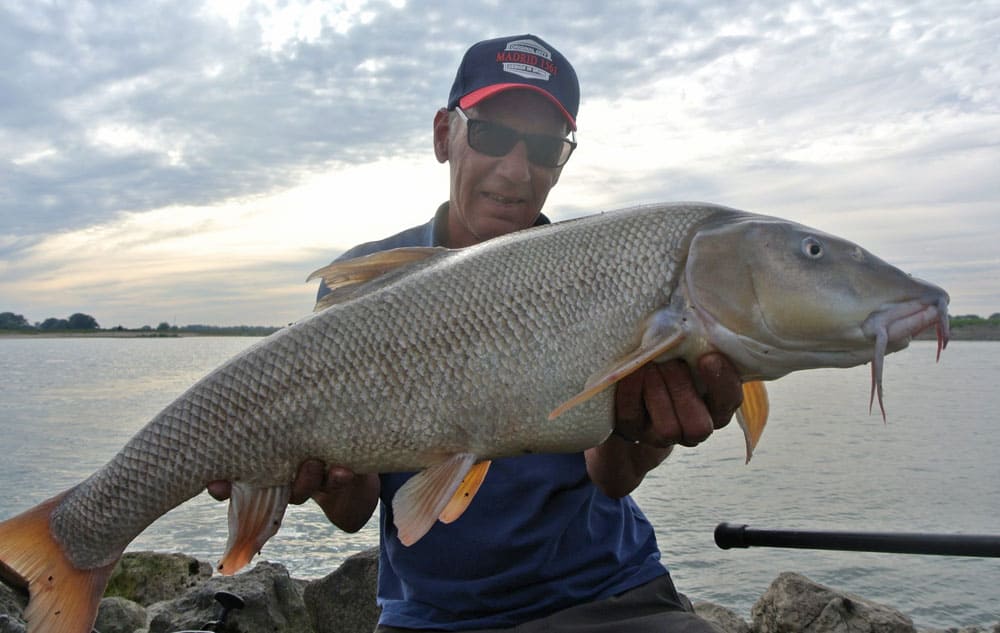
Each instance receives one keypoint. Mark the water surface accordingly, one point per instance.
(823, 463)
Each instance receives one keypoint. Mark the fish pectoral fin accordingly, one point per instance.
(426, 495)
(752, 414)
(651, 349)
(255, 515)
(466, 492)
(354, 277)
(62, 598)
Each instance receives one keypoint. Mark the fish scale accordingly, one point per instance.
(501, 349)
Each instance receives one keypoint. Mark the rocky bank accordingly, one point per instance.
(167, 593)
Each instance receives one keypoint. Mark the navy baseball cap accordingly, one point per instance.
(522, 62)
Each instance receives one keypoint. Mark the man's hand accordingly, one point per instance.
(659, 404)
(658, 407)
(347, 499)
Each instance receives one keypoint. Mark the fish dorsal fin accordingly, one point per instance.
(466, 492)
(752, 414)
(424, 497)
(352, 277)
(255, 515)
(661, 334)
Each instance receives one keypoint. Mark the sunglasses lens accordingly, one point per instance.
(497, 140)
(547, 152)
(491, 139)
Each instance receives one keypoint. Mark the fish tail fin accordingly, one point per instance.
(62, 598)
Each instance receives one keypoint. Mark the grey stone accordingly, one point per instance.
(148, 577)
(344, 600)
(273, 600)
(118, 615)
(795, 604)
(12, 602)
(10, 624)
(722, 617)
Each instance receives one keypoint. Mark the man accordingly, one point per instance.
(551, 541)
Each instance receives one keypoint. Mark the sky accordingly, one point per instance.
(192, 162)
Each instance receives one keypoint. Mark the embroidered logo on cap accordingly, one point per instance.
(528, 59)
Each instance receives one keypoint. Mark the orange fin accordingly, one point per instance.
(63, 599)
(350, 278)
(466, 492)
(646, 353)
(424, 497)
(255, 515)
(752, 414)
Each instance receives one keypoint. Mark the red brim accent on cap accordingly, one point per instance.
(476, 96)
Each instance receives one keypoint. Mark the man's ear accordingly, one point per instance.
(441, 134)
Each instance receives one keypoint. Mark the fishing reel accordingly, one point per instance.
(229, 602)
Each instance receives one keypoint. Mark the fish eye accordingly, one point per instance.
(812, 248)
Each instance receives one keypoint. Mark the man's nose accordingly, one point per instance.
(515, 165)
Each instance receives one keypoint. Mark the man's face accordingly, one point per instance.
(495, 195)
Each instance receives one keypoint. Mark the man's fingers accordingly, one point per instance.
(630, 414)
(220, 490)
(310, 478)
(687, 421)
(724, 391)
(664, 428)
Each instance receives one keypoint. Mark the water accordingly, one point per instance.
(67, 405)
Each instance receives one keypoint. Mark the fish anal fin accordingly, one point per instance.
(651, 349)
(466, 492)
(347, 279)
(424, 497)
(255, 515)
(62, 598)
(752, 414)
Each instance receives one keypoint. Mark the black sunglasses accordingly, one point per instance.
(495, 139)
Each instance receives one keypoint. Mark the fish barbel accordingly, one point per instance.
(437, 361)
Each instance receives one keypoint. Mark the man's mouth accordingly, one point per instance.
(500, 199)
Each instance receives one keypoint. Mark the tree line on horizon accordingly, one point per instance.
(84, 322)
(80, 322)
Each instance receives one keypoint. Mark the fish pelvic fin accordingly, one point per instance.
(354, 277)
(656, 343)
(255, 514)
(427, 495)
(62, 598)
(466, 492)
(752, 414)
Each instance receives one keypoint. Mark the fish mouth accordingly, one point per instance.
(893, 326)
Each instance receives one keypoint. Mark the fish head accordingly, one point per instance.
(779, 297)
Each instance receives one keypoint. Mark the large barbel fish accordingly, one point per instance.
(438, 361)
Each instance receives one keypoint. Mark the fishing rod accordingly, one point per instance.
(728, 535)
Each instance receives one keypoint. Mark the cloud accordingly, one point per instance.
(193, 122)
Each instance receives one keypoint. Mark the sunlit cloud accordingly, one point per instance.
(195, 164)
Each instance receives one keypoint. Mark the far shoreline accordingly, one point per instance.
(971, 332)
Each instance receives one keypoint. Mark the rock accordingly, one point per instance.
(795, 604)
(10, 624)
(118, 615)
(12, 601)
(722, 617)
(273, 600)
(344, 600)
(148, 577)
